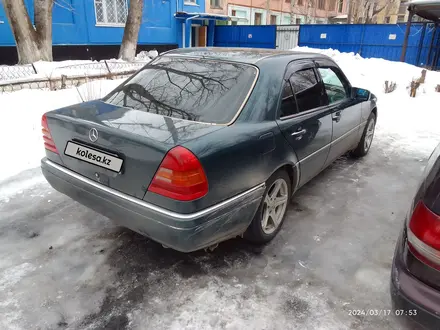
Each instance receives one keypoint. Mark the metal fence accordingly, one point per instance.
(287, 36)
(369, 40)
(377, 41)
(251, 36)
(65, 76)
(104, 67)
(16, 71)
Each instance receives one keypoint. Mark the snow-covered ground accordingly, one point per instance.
(71, 68)
(21, 111)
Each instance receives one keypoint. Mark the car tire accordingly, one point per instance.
(269, 213)
(367, 138)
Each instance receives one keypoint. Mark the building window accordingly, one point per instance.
(321, 4)
(257, 19)
(233, 13)
(111, 12)
(216, 4)
(273, 20)
(387, 20)
(402, 9)
(300, 2)
(298, 21)
(401, 19)
(340, 6)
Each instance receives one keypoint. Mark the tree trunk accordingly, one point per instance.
(350, 4)
(131, 31)
(24, 33)
(292, 11)
(33, 44)
(267, 12)
(43, 22)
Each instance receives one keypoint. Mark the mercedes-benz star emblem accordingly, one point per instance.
(93, 135)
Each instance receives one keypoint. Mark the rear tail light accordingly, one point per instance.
(424, 235)
(180, 176)
(47, 137)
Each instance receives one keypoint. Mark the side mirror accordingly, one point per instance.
(360, 94)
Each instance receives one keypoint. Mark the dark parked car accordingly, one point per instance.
(415, 276)
(206, 144)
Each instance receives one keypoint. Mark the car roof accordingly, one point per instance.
(245, 55)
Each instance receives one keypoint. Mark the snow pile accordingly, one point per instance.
(147, 55)
(404, 123)
(21, 111)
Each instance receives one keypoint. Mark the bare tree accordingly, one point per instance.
(268, 22)
(292, 11)
(365, 11)
(131, 31)
(33, 43)
(307, 9)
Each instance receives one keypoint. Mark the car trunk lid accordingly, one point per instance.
(135, 142)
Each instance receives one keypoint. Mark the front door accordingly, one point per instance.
(305, 119)
(198, 35)
(346, 111)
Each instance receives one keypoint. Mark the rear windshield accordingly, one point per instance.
(201, 90)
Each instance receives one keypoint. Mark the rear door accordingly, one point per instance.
(345, 111)
(304, 118)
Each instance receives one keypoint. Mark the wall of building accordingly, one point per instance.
(79, 26)
(280, 9)
(219, 7)
(389, 15)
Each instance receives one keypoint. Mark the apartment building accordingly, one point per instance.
(265, 12)
(391, 13)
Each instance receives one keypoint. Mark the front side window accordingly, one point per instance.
(200, 90)
(336, 87)
(111, 12)
(308, 91)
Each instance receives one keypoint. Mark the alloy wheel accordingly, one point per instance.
(274, 207)
(369, 135)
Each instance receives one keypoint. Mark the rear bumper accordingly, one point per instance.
(182, 232)
(410, 296)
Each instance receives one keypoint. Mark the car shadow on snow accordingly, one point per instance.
(144, 268)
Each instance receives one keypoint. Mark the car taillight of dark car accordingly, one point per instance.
(47, 137)
(424, 235)
(180, 176)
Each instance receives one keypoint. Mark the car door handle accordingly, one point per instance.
(336, 116)
(301, 132)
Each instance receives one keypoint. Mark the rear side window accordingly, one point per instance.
(308, 91)
(288, 103)
(194, 89)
